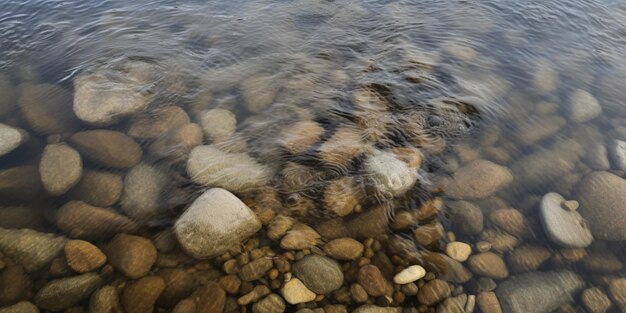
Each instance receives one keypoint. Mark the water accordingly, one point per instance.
(407, 125)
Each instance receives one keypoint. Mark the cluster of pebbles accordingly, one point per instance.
(116, 200)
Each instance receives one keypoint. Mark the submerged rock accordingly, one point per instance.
(11, 138)
(99, 188)
(32, 249)
(107, 147)
(583, 106)
(47, 108)
(390, 174)
(133, 256)
(63, 293)
(479, 179)
(320, 274)
(60, 168)
(617, 152)
(81, 220)
(564, 227)
(602, 196)
(144, 186)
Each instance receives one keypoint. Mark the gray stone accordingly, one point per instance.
(564, 227)
(218, 124)
(32, 249)
(370, 308)
(479, 179)
(63, 293)
(602, 196)
(47, 108)
(214, 222)
(596, 156)
(583, 106)
(538, 292)
(318, 273)
(11, 138)
(617, 152)
(144, 186)
(20, 307)
(236, 172)
(390, 174)
(464, 217)
(60, 168)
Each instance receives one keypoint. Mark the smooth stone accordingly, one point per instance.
(601, 260)
(602, 196)
(617, 152)
(215, 221)
(389, 174)
(133, 256)
(488, 302)
(128, 91)
(373, 281)
(218, 124)
(488, 264)
(464, 217)
(157, 122)
(60, 168)
(84, 221)
(409, 275)
(63, 293)
(478, 179)
(270, 304)
(259, 92)
(509, 220)
(47, 108)
(583, 106)
(458, 251)
(369, 308)
(83, 257)
(31, 249)
(538, 128)
(538, 292)
(140, 296)
(255, 269)
(15, 285)
(107, 147)
(545, 77)
(565, 228)
(453, 304)
(236, 172)
(433, 291)
(11, 138)
(20, 307)
(21, 183)
(176, 144)
(300, 136)
(144, 188)
(98, 188)
(320, 274)
(595, 300)
(210, 298)
(279, 226)
(294, 292)
(597, 157)
(105, 300)
(617, 290)
(546, 166)
(21, 217)
(179, 284)
(300, 237)
(527, 258)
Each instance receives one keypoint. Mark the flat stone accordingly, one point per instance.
(294, 292)
(60, 168)
(236, 172)
(390, 175)
(488, 302)
(538, 292)
(107, 147)
(63, 293)
(31, 249)
(320, 274)
(20, 307)
(84, 221)
(259, 92)
(157, 122)
(133, 256)
(409, 275)
(346, 249)
(563, 227)
(602, 196)
(301, 136)
(140, 296)
(215, 221)
(218, 124)
(509, 220)
(83, 257)
(617, 152)
(11, 138)
(583, 106)
(176, 144)
(47, 108)
(98, 188)
(478, 179)
(144, 188)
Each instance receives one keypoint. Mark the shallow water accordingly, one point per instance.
(374, 120)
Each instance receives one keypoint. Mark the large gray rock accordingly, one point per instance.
(390, 174)
(63, 293)
(144, 186)
(538, 292)
(32, 249)
(564, 227)
(236, 172)
(318, 273)
(478, 179)
(602, 196)
(11, 138)
(214, 222)
(60, 168)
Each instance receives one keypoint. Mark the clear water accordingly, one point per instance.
(491, 80)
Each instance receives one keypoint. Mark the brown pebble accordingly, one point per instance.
(209, 298)
(488, 264)
(527, 258)
(131, 255)
(20, 307)
(178, 285)
(21, 217)
(253, 295)
(617, 290)
(359, 295)
(300, 237)
(155, 123)
(231, 284)
(346, 249)
(343, 146)
(500, 241)
(15, 285)
(433, 292)
(107, 147)
(300, 136)
(602, 260)
(105, 300)
(255, 269)
(373, 281)
(81, 220)
(176, 144)
(595, 300)
(98, 188)
(270, 304)
(488, 302)
(429, 235)
(83, 257)
(185, 306)
(510, 220)
(140, 296)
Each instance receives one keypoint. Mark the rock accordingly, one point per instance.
(15, 285)
(373, 281)
(453, 305)
(478, 179)
(156, 123)
(488, 264)
(98, 188)
(488, 302)
(300, 237)
(527, 258)
(47, 108)
(389, 174)
(257, 293)
(131, 255)
(105, 300)
(279, 226)
(538, 291)
(236, 172)
(178, 285)
(21, 217)
(128, 91)
(538, 128)
(409, 275)
(60, 168)
(601, 260)
(545, 166)
(346, 249)
(107, 147)
(300, 136)
(595, 300)
(31, 249)
(140, 296)
(20, 307)
(294, 291)
(21, 183)
(601, 196)
(433, 292)
(144, 186)
(83, 257)
(255, 269)
(499, 241)
(583, 106)
(464, 217)
(213, 223)
(368, 224)
(320, 274)
(177, 144)
(510, 220)
(545, 78)
(270, 304)
(458, 251)
(186, 306)
(218, 124)
(11, 138)
(617, 290)
(341, 196)
(63, 293)
(617, 152)
(369, 308)
(209, 298)
(259, 92)
(7, 90)
(563, 227)
(81, 220)
(596, 156)
(342, 147)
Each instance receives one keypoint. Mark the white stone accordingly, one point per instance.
(583, 106)
(617, 151)
(409, 275)
(389, 173)
(218, 124)
(215, 221)
(294, 292)
(237, 172)
(11, 138)
(60, 168)
(459, 251)
(564, 227)
(143, 186)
